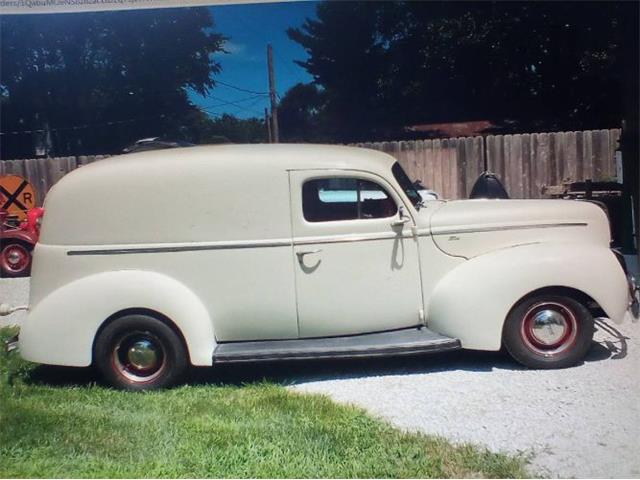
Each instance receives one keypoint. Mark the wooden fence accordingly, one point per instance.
(524, 162)
(43, 173)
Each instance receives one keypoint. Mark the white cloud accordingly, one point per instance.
(235, 48)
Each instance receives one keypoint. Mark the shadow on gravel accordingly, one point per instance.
(613, 346)
(292, 373)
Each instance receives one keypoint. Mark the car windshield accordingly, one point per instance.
(406, 185)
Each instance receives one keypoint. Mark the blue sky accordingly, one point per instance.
(249, 28)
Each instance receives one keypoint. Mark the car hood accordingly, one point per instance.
(468, 228)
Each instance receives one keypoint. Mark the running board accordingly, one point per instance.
(398, 342)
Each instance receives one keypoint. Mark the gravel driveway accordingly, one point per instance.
(578, 422)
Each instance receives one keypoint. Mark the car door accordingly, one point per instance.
(356, 259)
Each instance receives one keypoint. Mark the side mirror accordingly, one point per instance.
(404, 218)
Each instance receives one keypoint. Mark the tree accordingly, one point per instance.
(99, 81)
(299, 114)
(230, 129)
(347, 63)
(543, 65)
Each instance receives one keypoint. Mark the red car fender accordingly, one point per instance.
(20, 235)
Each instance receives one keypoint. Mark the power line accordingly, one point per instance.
(228, 102)
(80, 127)
(287, 65)
(240, 88)
(130, 120)
(234, 103)
(251, 107)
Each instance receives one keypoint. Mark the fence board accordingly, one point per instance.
(437, 165)
(446, 169)
(528, 185)
(462, 167)
(587, 154)
(428, 171)
(513, 158)
(571, 155)
(475, 158)
(543, 159)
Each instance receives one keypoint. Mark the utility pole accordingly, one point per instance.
(267, 122)
(272, 95)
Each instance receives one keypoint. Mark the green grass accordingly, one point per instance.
(256, 430)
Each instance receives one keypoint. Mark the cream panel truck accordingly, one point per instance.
(209, 255)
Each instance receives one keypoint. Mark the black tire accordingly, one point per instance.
(548, 331)
(138, 352)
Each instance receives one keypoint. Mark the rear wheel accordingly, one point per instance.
(139, 352)
(15, 259)
(548, 331)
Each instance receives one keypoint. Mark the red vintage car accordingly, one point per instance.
(16, 243)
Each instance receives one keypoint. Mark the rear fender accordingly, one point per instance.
(472, 301)
(61, 328)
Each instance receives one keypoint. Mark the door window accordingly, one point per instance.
(335, 199)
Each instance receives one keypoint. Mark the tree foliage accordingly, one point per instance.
(542, 65)
(99, 81)
(230, 129)
(300, 114)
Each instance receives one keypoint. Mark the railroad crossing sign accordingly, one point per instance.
(17, 195)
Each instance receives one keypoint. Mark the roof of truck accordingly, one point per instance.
(255, 156)
(130, 199)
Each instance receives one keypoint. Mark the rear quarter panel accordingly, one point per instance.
(60, 329)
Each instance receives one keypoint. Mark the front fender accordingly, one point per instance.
(472, 301)
(60, 330)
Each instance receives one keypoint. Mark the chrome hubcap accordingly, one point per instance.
(139, 357)
(14, 257)
(142, 355)
(549, 326)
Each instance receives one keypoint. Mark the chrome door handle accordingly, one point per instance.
(307, 252)
(400, 222)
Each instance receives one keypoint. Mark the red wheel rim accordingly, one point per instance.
(549, 328)
(15, 258)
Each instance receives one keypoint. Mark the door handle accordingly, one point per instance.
(404, 218)
(400, 222)
(301, 254)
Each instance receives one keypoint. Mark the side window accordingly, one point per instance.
(333, 199)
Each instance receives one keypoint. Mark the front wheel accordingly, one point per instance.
(139, 352)
(548, 331)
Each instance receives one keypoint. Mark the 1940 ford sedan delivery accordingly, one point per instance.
(153, 261)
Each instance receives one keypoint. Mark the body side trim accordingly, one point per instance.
(325, 239)
(497, 228)
(182, 248)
